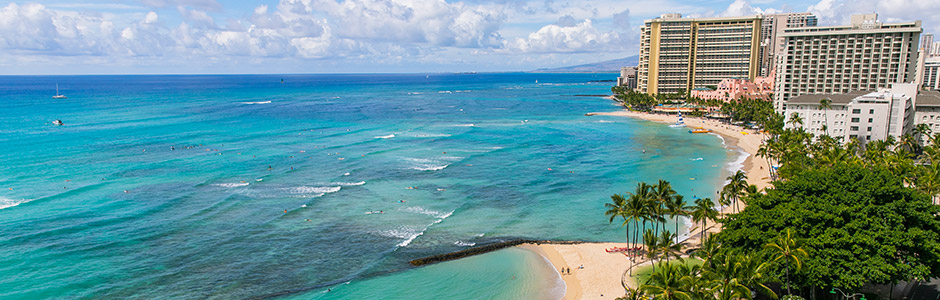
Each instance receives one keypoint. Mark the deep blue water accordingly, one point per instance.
(242, 186)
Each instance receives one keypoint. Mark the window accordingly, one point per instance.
(856, 111)
(869, 128)
(854, 120)
(870, 120)
(868, 138)
(853, 128)
(871, 111)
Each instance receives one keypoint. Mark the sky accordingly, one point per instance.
(59, 37)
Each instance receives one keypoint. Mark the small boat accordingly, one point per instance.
(57, 122)
(621, 249)
(57, 95)
(679, 123)
(700, 130)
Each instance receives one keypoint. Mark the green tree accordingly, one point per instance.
(666, 284)
(618, 208)
(668, 247)
(825, 104)
(736, 187)
(787, 250)
(703, 211)
(860, 223)
(676, 208)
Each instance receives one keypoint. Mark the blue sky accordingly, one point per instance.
(340, 36)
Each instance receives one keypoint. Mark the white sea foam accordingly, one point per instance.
(427, 164)
(696, 159)
(349, 183)
(464, 244)
(445, 92)
(431, 135)
(738, 163)
(7, 202)
(464, 125)
(231, 185)
(385, 136)
(408, 233)
(415, 93)
(312, 191)
(257, 102)
(605, 121)
(428, 212)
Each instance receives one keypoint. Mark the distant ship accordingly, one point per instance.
(57, 95)
(57, 123)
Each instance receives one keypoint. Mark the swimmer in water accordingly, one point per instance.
(285, 211)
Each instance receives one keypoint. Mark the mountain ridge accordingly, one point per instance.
(606, 66)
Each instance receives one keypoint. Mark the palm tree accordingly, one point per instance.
(703, 211)
(795, 120)
(636, 209)
(662, 194)
(695, 283)
(709, 250)
(668, 247)
(724, 271)
(676, 208)
(736, 187)
(617, 208)
(787, 249)
(752, 274)
(652, 246)
(666, 284)
(826, 104)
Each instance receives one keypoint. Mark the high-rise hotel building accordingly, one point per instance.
(772, 42)
(679, 54)
(864, 56)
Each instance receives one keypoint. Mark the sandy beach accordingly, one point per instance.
(601, 276)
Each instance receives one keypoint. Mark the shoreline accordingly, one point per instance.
(601, 276)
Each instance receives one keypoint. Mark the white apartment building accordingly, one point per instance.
(866, 116)
(863, 56)
(926, 41)
(679, 54)
(627, 77)
(771, 41)
(927, 111)
(931, 79)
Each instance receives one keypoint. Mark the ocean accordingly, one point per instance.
(317, 186)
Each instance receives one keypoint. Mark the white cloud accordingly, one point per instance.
(211, 5)
(553, 38)
(196, 17)
(740, 8)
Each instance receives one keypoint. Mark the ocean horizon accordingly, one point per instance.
(318, 186)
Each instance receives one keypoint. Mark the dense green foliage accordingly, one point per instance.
(860, 224)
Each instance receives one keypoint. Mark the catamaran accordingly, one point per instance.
(678, 123)
(57, 95)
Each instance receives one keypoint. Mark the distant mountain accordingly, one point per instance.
(599, 67)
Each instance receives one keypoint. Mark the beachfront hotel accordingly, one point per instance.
(736, 88)
(868, 116)
(772, 41)
(863, 56)
(679, 54)
(627, 77)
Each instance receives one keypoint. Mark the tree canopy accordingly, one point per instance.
(859, 223)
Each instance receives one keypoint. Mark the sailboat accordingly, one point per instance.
(57, 95)
(679, 123)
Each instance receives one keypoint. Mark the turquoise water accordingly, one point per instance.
(244, 186)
